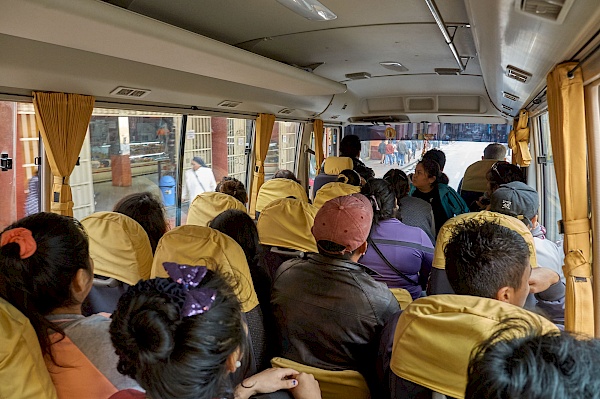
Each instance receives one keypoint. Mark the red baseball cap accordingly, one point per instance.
(345, 221)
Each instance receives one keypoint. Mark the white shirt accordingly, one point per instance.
(198, 182)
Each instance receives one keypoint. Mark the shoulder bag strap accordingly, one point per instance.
(387, 262)
(198, 179)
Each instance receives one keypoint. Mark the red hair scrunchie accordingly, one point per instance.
(21, 236)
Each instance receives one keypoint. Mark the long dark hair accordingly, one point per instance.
(148, 211)
(233, 187)
(432, 168)
(172, 356)
(41, 283)
(382, 198)
(239, 226)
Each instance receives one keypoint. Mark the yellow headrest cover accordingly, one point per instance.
(207, 206)
(435, 336)
(119, 247)
(22, 369)
(287, 223)
(439, 259)
(333, 190)
(194, 245)
(279, 188)
(334, 165)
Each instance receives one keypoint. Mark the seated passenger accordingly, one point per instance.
(350, 146)
(438, 156)
(230, 194)
(148, 211)
(400, 254)
(488, 267)
(413, 211)
(286, 174)
(348, 182)
(328, 308)
(330, 170)
(474, 183)
(183, 336)
(502, 172)
(538, 366)
(277, 188)
(234, 187)
(46, 272)
(428, 186)
(349, 176)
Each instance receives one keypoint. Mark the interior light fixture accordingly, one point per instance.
(309, 9)
(394, 66)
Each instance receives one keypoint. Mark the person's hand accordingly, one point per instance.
(541, 279)
(307, 388)
(267, 381)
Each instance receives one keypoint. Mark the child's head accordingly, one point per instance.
(45, 265)
(180, 337)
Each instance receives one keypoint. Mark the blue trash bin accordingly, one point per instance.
(167, 188)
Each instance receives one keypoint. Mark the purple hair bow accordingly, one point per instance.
(197, 300)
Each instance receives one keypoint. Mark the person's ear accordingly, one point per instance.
(363, 248)
(505, 294)
(82, 284)
(234, 360)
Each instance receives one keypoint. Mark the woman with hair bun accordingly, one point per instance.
(183, 337)
(428, 186)
(46, 272)
(234, 187)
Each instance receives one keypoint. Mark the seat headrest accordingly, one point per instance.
(439, 259)
(335, 165)
(119, 247)
(209, 205)
(333, 190)
(435, 336)
(203, 246)
(287, 222)
(279, 188)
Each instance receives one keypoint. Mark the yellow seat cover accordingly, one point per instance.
(333, 190)
(287, 223)
(203, 246)
(435, 336)
(334, 165)
(22, 369)
(207, 206)
(279, 188)
(439, 259)
(119, 247)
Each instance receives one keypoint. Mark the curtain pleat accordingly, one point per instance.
(319, 133)
(568, 133)
(62, 120)
(518, 141)
(264, 129)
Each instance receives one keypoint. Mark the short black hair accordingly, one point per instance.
(503, 172)
(436, 155)
(519, 361)
(482, 257)
(349, 176)
(350, 146)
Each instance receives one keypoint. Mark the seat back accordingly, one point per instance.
(22, 369)
(287, 223)
(347, 384)
(333, 190)
(332, 166)
(435, 335)
(275, 189)
(206, 206)
(402, 296)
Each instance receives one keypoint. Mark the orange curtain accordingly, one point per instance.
(518, 141)
(568, 133)
(62, 120)
(264, 129)
(319, 133)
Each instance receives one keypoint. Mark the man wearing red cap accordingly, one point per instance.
(328, 308)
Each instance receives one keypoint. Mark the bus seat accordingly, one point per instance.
(332, 166)
(438, 282)
(122, 256)
(207, 206)
(22, 369)
(347, 384)
(203, 246)
(402, 296)
(435, 335)
(274, 189)
(333, 190)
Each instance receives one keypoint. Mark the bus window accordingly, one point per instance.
(282, 148)
(19, 142)
(550, 209)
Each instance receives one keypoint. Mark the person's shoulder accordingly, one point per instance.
(414, 202)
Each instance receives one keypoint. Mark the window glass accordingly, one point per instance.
(19, 142)
(550, 211)
(282, 148)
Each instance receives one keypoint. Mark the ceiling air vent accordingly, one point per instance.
(229, 103)
(507, 108)
(517, 74)
(447, 71)
(122, 91)
(549, 10)
(286, 111)
(334, 116)
(510, 96)
(358, 75)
